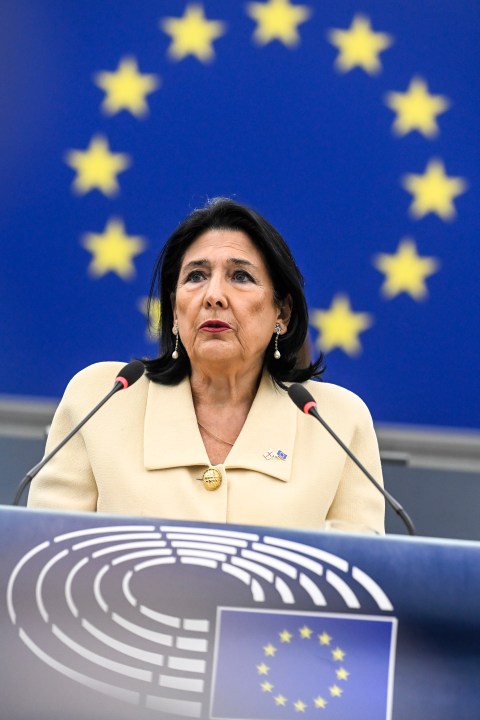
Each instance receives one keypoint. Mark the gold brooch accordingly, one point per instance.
(212, 479)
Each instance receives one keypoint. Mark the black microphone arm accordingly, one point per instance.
(306, 403)
(128, 375)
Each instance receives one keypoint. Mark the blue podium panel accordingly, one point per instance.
(114, 618)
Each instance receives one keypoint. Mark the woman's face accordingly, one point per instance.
(224, 303)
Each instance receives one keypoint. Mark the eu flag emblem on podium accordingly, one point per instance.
(271, 665)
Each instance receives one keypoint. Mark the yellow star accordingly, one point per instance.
(263, 669)
(359, 46)
(280, 700)
(269, 650)
(335, 691)
(154, 316)
(339, 326)
(285, 636)
(113, 250)
(338, 654)
(266, 686)
(320, 702)
(97, 167)
(342, 674)
(277, 20)
(305, 632)
(325, 639)
(434, 191)
(416, 109)
(126, 88)
(299, 706)
(192, 34)
(405, 271)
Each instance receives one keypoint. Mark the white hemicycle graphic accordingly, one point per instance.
(77, 602)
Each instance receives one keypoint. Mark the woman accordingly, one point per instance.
(209, 433)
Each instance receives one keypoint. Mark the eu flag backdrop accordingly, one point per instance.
(352, 126)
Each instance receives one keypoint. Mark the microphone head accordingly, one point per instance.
(130, 373)
(301, 397)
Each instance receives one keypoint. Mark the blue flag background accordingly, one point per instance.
(347, 661)
(353, 128)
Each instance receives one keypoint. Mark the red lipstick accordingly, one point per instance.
(214, 326)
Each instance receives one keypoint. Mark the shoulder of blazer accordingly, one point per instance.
(90, 385)
(330, 396)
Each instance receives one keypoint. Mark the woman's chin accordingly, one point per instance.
(215, 355)
(219, 355)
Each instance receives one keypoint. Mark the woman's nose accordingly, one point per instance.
(215, 295)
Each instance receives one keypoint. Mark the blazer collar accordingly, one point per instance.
(172, 438)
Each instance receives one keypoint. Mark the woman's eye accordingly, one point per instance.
(242, 276)
(195, 276)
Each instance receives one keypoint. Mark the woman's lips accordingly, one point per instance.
(214, 326)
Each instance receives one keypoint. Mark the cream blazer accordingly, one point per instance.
(142, 454)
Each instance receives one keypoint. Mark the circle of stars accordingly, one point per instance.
(324, 644)
(359, 47)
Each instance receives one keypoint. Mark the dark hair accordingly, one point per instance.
(223, 214)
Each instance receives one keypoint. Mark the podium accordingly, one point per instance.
(113, 617)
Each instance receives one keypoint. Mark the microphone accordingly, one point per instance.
(306, 403)
(128, 375)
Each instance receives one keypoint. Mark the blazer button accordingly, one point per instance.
(212, 479)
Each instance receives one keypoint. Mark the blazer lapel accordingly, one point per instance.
(265, 443)
(270, 427)
(171, 436)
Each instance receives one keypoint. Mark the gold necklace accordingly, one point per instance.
(225, 442)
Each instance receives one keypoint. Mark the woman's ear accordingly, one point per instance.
(284, 313)
(174, 311)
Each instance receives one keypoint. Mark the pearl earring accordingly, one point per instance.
(277, 354)
(175, 352)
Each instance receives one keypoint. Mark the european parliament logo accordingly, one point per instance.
(271, 665)
(210, 623)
